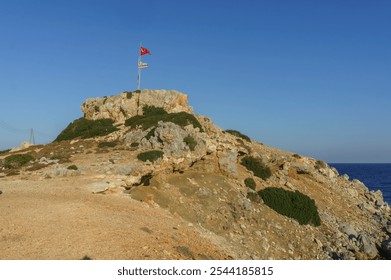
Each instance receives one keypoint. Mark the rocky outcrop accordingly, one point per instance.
(200, 177)
(128, 104)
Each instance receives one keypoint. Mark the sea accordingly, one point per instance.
(376, 176)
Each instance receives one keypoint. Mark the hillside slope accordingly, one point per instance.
(165, 183)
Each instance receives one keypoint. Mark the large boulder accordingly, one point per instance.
(128, 104)
(386, 248)
(367, 245)
(227, 164)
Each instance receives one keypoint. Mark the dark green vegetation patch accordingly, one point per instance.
(294, 205)
(84, 128)
(250, 183)
(238, 134)
(320, 164)
(254, 197)
(16, 161)
(190, 142)
(107, 144)
(134, 145)
(150, 155)
(72, 167)
(152, 115)
(257, 167)
(153, 111)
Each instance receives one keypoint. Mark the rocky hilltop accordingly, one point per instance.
(128, 104)
(230, 197)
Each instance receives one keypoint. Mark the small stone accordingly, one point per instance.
(319, 243)
(289, 185)
(349, 230)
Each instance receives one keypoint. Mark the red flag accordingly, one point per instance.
(144, 51)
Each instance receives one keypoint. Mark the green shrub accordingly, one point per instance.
(134, 145)
(153, 115)
(129, 94)
(153, 111)
(72, 167)
(84, 128)
(107, 144)
(150, 155)
(257, 167)
(238, 134)
(294, 205)
(254, 197)
(190, 142)
(320, 164)
(250, 183)
(16, 161)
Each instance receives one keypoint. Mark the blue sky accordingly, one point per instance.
(311, 77)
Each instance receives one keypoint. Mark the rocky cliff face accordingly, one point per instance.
(128, 104)
(201, 178)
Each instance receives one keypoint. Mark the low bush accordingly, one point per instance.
(153, 111)
(150, 155)
(72, 167)
(250, 183)
(129, 94)
(319, 164)
(152, 115)
(107, 144)
(238, 134)
(254, 197)
(134, 145)
(83, 128)
(257, 167)
(294, 205)
(190, 142)
(16, 161)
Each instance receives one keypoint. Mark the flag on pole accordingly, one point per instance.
(144, 51)
(142, 65)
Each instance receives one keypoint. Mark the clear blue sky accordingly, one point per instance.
(311, 77)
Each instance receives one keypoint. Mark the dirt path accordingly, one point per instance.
(61, 219)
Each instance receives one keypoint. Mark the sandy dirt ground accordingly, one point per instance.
(62, 219)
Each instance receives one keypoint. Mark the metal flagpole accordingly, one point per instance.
(139, 69)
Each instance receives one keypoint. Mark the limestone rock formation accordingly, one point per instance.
(128, 104)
